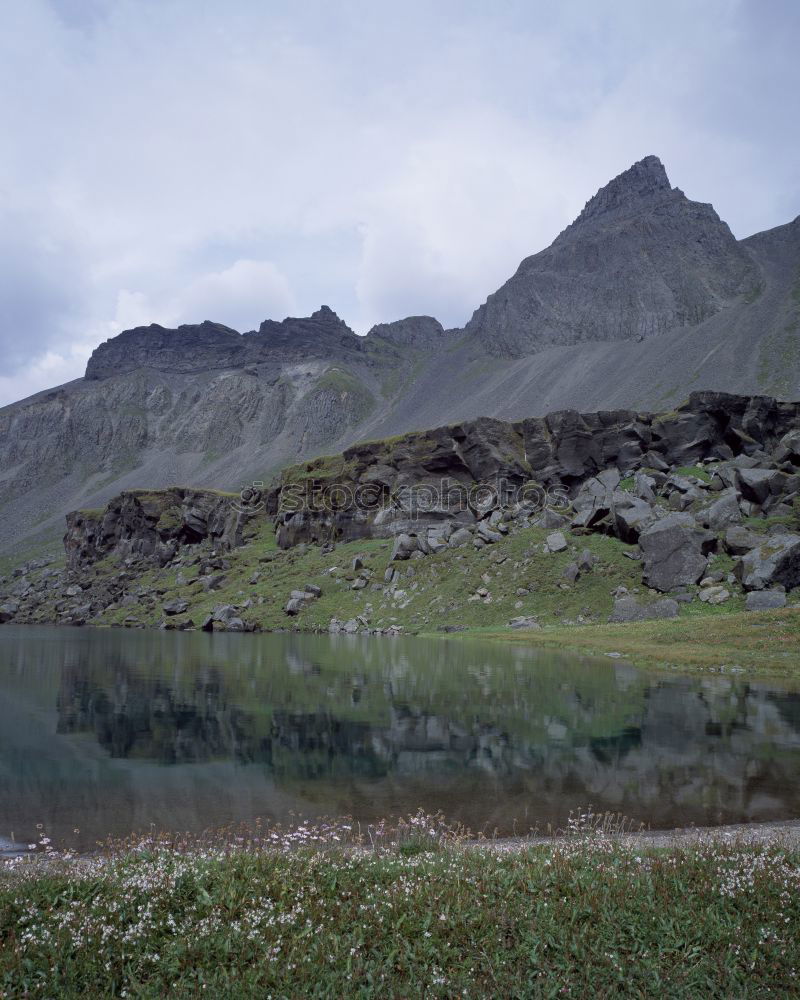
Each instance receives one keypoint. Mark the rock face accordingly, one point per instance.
(145, 525)
(645, 295)
(411, 486)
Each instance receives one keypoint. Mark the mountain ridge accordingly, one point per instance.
(646, 297)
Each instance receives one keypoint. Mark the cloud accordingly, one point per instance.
(240, 296)
(169, 161)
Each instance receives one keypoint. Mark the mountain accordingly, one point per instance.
(645, 297)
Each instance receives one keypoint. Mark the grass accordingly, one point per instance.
(435, 591)
(585, 917)
(766, 642)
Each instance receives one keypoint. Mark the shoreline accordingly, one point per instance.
(785, 833)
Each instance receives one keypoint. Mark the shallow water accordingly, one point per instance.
(111, 731)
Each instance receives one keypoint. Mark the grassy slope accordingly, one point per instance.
(436, 593)
(583, 919)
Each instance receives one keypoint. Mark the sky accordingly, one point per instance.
(173, 161)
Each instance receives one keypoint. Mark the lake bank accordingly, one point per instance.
(586, 916)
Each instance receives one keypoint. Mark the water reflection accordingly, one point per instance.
(111, 731)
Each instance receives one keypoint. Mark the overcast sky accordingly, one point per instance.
(178, 160)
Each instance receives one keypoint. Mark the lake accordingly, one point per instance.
(110, 731)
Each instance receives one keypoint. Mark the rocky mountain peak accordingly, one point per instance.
(325, 315)
(641, 259)
(636, 184)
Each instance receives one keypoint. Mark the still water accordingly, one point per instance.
(111, 731)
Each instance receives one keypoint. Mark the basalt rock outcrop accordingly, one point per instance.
(465, 474)
(148, 526)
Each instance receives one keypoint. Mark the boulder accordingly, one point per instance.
(765, 600)
(714, 595)
(294, 606)
(644, 487)
(739, 540)
(175, 607)
(775, 561)
(7, 611)
(403, 546)
(722, 513)
(627, 609)
(673, 552)
(571, 572)
(313, 590)
(485, 532)
(524, 621)
(556, 542)
(461, 536)
(631, 517)
(757, 484)
(551, 521)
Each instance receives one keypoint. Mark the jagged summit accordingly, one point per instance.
(640, 259)
(629, 189)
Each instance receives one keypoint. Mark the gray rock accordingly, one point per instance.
(313, 590)
(461, 536)
(631, 517)
(672, 552)
(403, 546)
(776, 560)
(8, 610)
(628, 609)
(571, 572)
(294, 606)
(175, 607)
(524, 621)
(234, 625)
(556, 542)
(758, 484)
(223, 612)
(485, 532)
(550, 520)
(765, 600)
(722, 513)
(739, 540)
(714, 595)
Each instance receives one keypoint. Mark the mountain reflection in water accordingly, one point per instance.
(111, 731)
